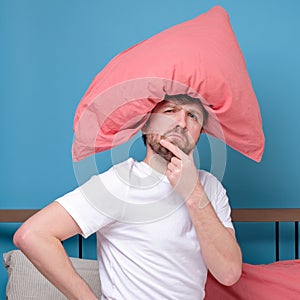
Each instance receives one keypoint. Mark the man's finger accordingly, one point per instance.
(172, 148)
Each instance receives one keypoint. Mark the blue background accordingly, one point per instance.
(51, 51)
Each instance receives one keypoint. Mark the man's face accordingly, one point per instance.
(178, 122)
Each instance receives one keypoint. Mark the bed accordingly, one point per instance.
(277, 280)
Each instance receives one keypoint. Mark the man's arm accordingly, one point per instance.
(40, 238)
(219, 247)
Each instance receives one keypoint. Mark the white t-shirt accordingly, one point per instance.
(146, 243)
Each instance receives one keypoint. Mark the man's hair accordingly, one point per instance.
(184, 99)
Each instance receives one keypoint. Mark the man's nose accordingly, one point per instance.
(181, 118)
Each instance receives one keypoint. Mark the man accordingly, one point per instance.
(167, 255)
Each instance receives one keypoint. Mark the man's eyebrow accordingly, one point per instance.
(191, 109)
(168, 104)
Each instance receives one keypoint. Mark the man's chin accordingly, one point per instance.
(178, 142)
(181, 144)
(166, 156)
(162, 151)
(165, 153)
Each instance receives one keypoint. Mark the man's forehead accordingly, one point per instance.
(176, 102)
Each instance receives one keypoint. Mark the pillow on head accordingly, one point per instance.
(201, 58)
(276, 281)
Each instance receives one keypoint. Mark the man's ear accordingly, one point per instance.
(145, 128)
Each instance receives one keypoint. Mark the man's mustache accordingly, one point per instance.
(177, 130)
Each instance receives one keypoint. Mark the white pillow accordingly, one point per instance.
(26, 282)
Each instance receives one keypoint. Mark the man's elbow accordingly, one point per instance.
(23, 237)
(232, 276)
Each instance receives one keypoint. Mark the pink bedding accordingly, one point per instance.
(276, 281)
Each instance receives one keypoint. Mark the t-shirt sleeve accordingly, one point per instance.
(222, 206)
(80, 205)
(218, 198)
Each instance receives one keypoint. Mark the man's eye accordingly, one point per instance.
(191, 115)
(170, 110)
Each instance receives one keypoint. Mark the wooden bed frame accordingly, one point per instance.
(274, 215)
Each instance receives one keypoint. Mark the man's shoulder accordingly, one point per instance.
(118, 172)
(205, 174)
(208, 178)
(126, 165)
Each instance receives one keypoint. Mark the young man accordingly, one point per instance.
(162, 252)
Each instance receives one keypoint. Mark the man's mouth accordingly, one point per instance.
(174, 135)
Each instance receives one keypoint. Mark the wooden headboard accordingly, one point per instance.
(237, 214)
(274, 215)
(16, 215)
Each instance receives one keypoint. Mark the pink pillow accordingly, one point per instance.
(201, 58)
(276, 281)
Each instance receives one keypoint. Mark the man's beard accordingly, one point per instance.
(185, 145)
